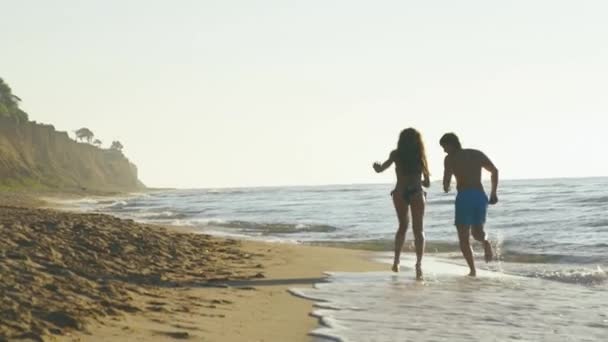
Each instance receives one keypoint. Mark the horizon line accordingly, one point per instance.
(349, 184)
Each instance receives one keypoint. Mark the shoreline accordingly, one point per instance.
(259, 309)
(243, 295)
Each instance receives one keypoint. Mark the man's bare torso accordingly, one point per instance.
(466, 165)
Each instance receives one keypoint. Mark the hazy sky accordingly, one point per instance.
(240, 93)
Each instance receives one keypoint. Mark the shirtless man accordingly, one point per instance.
(471, 201)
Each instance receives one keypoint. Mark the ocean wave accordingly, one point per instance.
(532, 209)
(531, 223)
(441, 201)
(79, 202)
(593, 200)
(596, 224)
(385, 245)
(116, 205)
(224, 192)
(509, 252)
(580, 276)
(105, 202)
(505, 251)
(551, 185)
(272, 228)
(164, 215)
(532, 258)
(343, 190)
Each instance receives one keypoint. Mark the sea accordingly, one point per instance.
(549, 282)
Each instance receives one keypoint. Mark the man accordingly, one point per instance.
(471, 201)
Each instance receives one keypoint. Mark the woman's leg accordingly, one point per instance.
(417, 204)
(401, 208)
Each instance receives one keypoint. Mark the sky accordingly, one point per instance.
(263, 93)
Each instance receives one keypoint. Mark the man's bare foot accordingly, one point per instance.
(419, 272)
(488, 251)
(395, 267)
(472, 273)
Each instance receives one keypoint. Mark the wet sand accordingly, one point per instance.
(91, 277)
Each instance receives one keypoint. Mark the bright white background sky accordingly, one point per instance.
(245, 93)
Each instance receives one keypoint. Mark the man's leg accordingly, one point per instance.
(464, 232)
(480, 235)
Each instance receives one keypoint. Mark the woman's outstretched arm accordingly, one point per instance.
(381, 167)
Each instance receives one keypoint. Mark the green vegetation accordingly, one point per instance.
(116, 145)
(9, 104)
(84, 134)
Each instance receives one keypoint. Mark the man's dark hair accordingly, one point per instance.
(450, 139)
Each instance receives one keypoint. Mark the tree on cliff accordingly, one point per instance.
(84, 134)
(9, 104)
(97, 142)
(116, 145)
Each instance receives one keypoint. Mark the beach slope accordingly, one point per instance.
(93, 277)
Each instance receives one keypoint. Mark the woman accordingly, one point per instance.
(412, 174)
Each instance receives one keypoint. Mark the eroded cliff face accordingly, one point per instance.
(36, 155)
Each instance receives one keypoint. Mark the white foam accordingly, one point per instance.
(448, 306)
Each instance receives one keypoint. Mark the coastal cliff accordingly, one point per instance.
(34, 155)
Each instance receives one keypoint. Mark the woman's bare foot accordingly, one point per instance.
(473, 273)
(488, 251)
(419, 272)
(395, 267)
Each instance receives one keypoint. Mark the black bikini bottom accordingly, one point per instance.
(409, 192)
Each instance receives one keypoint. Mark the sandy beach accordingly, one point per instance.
(92, 277)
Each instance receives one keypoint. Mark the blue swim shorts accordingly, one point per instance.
(471, 207)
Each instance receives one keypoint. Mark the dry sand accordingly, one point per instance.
(91, 277)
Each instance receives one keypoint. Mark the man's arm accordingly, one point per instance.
(447, 173)
(381, 167)
(487, 164)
